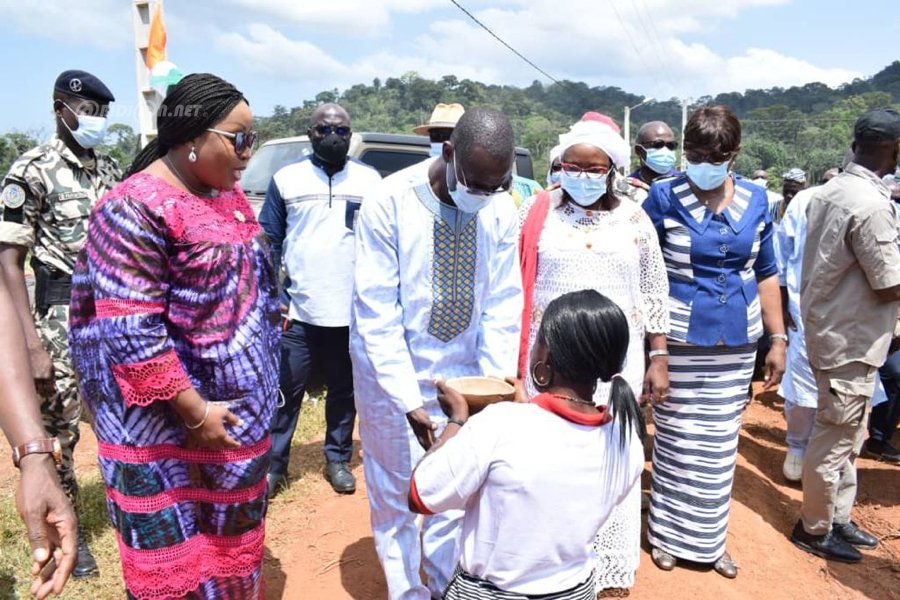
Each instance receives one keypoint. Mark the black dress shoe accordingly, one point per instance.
(275, 484)
(880, 451)
(85, 564)
(830, 546)
(854, 535)
(339, 476)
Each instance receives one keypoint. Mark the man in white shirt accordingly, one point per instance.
(438, 293)
(309, 215)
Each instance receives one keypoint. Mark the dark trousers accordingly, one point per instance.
(886, 415)
(328, 348)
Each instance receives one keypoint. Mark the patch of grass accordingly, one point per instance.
(15, 559)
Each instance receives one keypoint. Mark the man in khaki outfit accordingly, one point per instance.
(849, 297)
(44, 205)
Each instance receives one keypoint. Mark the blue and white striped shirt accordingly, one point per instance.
(713, 261)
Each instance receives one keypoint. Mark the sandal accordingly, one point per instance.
(614, 593)
(663, 559)
(726, 567)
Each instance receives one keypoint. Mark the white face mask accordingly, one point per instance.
(464, 199)
(582, 190)
(91, 130)
(436, 149)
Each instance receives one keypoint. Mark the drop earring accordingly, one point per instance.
(193, 155)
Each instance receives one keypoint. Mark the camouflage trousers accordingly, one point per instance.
(62, 410)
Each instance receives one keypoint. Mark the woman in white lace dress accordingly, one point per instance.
(585, 236)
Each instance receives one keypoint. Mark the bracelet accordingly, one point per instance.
(202, 421)
(779, 336)
(456, 421)
(654, 353)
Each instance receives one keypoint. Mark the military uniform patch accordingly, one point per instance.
(13, 196)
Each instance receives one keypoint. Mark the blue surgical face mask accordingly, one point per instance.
(707, 176)
(659, 160)
(464, 199)
(553, 178)
(91, 130)
(582, 190)
(436, 149)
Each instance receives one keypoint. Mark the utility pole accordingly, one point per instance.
(684, 107)
(148, 99)
(627, 135)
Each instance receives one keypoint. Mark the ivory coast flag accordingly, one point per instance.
(156, 40)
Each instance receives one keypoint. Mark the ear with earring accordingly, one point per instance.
(193, 155)
(541, 374)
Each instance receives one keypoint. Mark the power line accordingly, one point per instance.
(499, 39)
(653, 36)
(631, 41)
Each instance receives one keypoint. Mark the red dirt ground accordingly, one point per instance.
(320, 547)
(319, 544)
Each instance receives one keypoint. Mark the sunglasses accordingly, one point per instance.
(659, 144)
(323, 130)
(696, 156)
(242, 140)
(480, 191)
(591, 172)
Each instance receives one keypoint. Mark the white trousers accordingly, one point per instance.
(403, 548)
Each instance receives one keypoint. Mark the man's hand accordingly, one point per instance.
(775, 363)
(422, 425)
(789, 321)
(42, 370)
(51, 524)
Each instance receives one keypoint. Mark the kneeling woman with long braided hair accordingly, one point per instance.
(538, 479)
(173, 334)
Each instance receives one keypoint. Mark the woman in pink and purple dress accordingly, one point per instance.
(174, 337)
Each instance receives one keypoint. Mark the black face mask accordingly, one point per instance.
(331, 149)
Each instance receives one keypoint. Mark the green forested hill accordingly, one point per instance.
(808, 126)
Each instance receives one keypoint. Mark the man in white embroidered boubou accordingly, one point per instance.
(437, 293)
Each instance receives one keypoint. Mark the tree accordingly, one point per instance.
(121, 143)
(13, 145)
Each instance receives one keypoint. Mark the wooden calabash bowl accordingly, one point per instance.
(481, 391)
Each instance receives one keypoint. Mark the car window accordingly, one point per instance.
(267, 161)
(524, 166)
(387, 162)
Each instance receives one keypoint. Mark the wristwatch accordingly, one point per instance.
(779, 336)
(49, 446)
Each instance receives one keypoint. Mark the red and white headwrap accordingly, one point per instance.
(600, 134)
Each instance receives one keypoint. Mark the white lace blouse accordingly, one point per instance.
(614, 252)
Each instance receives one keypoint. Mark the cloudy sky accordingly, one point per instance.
(285, 51)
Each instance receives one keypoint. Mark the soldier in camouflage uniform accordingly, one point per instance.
(46, 199)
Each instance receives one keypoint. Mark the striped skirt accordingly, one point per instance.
(463, 586)
(696, 449)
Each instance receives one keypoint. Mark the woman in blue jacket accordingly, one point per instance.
(716, 236)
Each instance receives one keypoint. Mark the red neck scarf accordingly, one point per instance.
(563, 408)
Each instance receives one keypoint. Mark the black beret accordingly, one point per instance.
(877, 125)
(84, 85)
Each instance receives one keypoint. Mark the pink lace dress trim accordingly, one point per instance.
(175, 571)
(147, 454)
(118, 307)
(158, 502)
(149, 381)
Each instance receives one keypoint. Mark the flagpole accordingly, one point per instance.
(147, 98)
